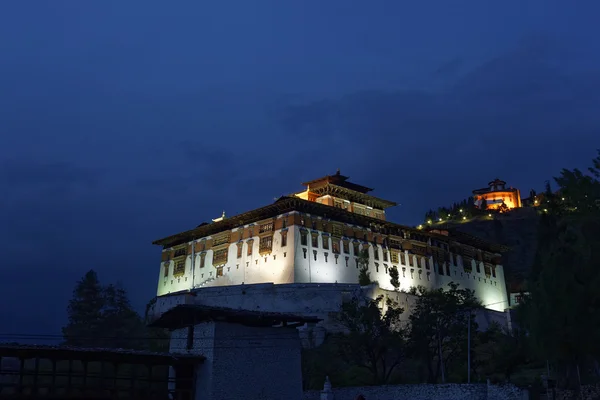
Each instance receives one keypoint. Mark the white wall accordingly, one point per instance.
(291, 264)
(253, 363)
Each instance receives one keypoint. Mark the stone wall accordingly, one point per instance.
(425, 392)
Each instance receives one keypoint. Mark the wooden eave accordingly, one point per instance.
(191, 314)
(289, 204)
(95, 354)
(353, 195)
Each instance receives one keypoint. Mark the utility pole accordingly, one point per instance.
(440, 352)
(469, 349)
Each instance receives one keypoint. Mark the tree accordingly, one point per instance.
(499, 352)
(394, 277)
(364, 276)
(373, 341)
(483, 205)
(562, 312)
(439, 326)
(123, 324)
(102, 317)
(85, 312)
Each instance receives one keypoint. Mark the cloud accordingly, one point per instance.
(513, 116)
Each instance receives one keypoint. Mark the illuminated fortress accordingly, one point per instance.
(316, 236)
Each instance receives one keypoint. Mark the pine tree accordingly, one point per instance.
(85, 312)
(123, 325)
(102, 317)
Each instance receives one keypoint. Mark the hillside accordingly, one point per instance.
(517, 230)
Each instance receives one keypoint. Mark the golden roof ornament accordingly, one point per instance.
(221, 218)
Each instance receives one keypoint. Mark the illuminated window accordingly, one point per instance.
(394, 257)
(315, 239)
(220, 257)
(239, 249)
(337, 230)
(266, 244)
(335, 246)
(179, 268)
(221, 239)
(250, 244)
(219, 271)
(268, 227)
(179, 252)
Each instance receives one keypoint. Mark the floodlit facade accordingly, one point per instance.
(318, 236)
(497, 196)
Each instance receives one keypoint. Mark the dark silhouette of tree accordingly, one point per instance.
(439, 321)
(374, 341)
(102, 317)
(562, 312)
(394, 277)
(85, 313)
(364, 276)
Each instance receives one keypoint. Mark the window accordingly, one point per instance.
(394, 257)
(179, 268)
(303, 238)
(335, 246)
(338, 204)
(240, 246)
(179, 252)
(250, 244)
(411, 260)
(220, 257)
(283, 238)
(202, 259)
(266, 244)
(337, 230)
(315, 239)
(385, 256)
(268, 227)
(219, 271)
(346, 246)
(325, 240)
(221, 239)
(166, 269)
(377, 267)
(402, 258)
(356, 248)
(376, 252)
(284, 222)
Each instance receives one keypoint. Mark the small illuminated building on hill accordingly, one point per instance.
(496, 194)
(321, 236)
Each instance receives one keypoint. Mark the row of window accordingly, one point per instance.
(220, 256)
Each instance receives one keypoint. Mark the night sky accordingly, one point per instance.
(126, 121)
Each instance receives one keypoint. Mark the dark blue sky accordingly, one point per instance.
(126, 121)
